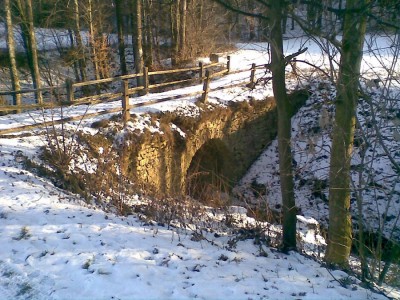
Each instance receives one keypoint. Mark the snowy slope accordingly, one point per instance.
(311, 144)
(55, 247)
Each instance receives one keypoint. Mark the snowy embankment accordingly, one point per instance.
(54, 246)
(376, 181)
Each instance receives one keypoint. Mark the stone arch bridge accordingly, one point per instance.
(217, 149)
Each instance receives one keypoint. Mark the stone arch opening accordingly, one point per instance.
(208, 176)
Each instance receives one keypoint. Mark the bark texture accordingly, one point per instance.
(11, 53)
(340, 227)
(121, 39)
(284, 126)
(138, 39)
(28, 35)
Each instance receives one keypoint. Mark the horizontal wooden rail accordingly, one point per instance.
(213, 65)
(173, 71)
(218, 74)
(172, 83)
(90, 99)
(106, 80)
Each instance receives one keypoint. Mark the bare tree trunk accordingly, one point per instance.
(251, 21)
(148, 34)
(137, 39)
(33, 46)
(273, 16)
(92, 38)
(284, 126)
(175, 34)
(11, 52)
(182, 29)
(28, 34)
(79, 42)
(75, 64)
(121, 40)
(340, 227)
(156, 36)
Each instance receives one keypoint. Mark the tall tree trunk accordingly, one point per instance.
(182, 29)
(284, 126)
(28, 35)
(11, 52)
(92, 38)
(138, 39)
(148, 34)
(340, 228)
(79, 42)
(156, 35)
(34, 53)
(175, 34)
(121, 39)
(251, 21)
(75, 65)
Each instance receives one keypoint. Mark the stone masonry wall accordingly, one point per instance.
(162, 160)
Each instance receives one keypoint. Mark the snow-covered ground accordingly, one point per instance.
(54, 246)
(311, 149)
(377, 135)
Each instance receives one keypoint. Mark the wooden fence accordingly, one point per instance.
(66, 95)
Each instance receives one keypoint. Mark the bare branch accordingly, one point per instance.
(241, 11)
(290, 57)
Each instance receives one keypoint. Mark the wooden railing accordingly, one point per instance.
(66, 94)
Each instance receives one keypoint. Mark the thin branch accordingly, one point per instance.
(314, 66)
(290, 57)
(240, 11)
(381, 22)
(330, 37)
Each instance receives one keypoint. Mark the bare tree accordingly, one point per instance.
(340, 226)
(137, 38)
(175, 27)
(148, 39)
(92, 40)
(79, 42)
(182, 29)
(278, 64)
(11, 52)
(121, 39)
(28, 34)
(274, 12)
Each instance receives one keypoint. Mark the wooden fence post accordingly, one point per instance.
(228, 64)
(125, 101)
(201, 71)
(206, 87)
(253, 74)
(70, 90)
(146, 80)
